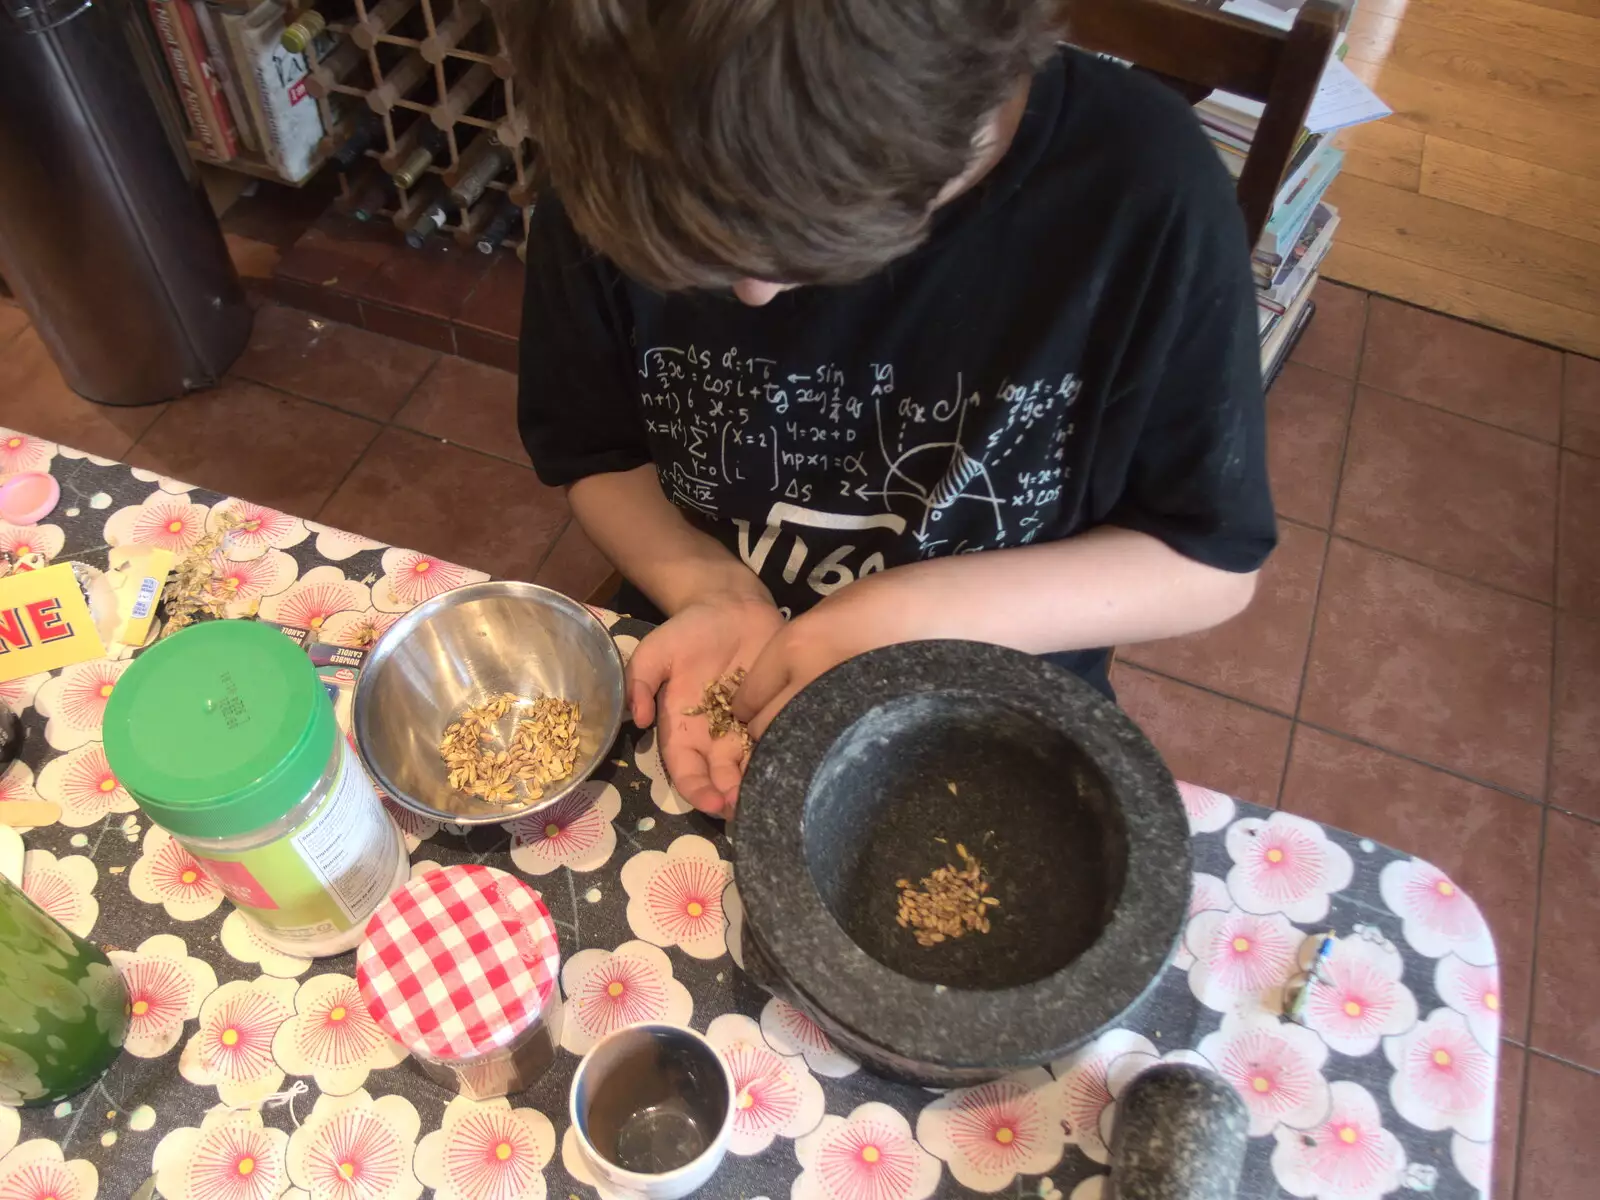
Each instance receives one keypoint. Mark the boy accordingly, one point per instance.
(892, 294)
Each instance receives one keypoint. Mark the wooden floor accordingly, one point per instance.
(1480, 197)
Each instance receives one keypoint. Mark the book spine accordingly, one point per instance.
(205, 77)
(1283, 231)
(233, 25)
(226, 73)
(189, 91)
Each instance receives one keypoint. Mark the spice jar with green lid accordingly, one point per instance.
(227, 739)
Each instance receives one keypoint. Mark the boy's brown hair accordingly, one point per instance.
(698, 142)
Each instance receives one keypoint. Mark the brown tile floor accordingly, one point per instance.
(1422, 663)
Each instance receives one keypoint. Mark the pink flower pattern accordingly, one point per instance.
(1348, 1156)
(168, 875)
(18, 694)
(333, 1037)
(1439, 918)
(1208, 892)
(574, 832)
(675, 898)
(35, 1170)
(774, 1096)
(232, 1049)
(790, 1032)
(232, 1156)
(19, 541)
(1208, 811)
(1358, 997)
(1474, 992)
(23, 452)
(311, 601)
(166, 987)
(83, 784)
(487, 1151)
(242, 583)
(409, 578)
(1443, 1079)
(1242, 961)
(357, 1148)
(1275, 1066)
(262, 529)
(1089, 1081)
(165, 521)
(75, 702)
(990, 1134)
(64, 888)
(1285, 864)
(607, 990)
(869, 1155)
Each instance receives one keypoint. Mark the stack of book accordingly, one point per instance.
(242, 93)
(1300, 231)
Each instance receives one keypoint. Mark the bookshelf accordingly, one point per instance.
(1301, 228)
(361, 84)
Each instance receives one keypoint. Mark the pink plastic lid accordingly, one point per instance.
(28, 497)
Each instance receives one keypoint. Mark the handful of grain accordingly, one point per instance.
(716, 705)
(543, 750)
(947, 904)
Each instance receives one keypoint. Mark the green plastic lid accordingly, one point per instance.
(219, 729)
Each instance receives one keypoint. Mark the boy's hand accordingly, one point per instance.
(851, 621)
(667, 676)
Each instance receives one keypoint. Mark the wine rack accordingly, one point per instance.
(417, 65)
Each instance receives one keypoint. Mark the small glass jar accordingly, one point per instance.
(227, 739)
(461, 967)
(505, 1070)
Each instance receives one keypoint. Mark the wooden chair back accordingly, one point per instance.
(1198, 49)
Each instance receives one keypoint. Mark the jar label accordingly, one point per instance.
(324, 877)
(237, 883)
(345, 843)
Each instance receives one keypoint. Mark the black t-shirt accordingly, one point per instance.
(1074, 345)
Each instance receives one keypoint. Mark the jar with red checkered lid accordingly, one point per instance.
(460, 966)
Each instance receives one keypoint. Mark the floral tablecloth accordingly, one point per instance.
(251, 1075)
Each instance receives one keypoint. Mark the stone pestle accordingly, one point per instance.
(1180, 1134)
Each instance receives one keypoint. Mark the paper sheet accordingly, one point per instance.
(1343, 100)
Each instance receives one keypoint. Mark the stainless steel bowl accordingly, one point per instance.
(458, 650)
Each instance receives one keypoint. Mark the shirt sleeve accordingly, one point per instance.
(1192, 402)
(577, 406)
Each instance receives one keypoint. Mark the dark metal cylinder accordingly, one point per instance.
(106, 236)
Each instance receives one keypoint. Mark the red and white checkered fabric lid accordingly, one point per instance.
(459, 961)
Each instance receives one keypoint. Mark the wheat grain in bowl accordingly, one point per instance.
(541, 750)
(472, 647)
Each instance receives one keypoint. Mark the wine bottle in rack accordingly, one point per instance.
(380, 18)
(485, 160)
(333, 70)
(399, 82)
(499, 228)
(371, 192)
(448, 33)
(425, 147)
(433, 210)
(302, 31)
(462, 96)
(367, 135)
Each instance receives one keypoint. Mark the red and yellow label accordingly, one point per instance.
(44, 623)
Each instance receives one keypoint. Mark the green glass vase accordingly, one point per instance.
(63, 1007)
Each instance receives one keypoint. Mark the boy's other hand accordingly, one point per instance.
(851, 621)
(667, 675)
